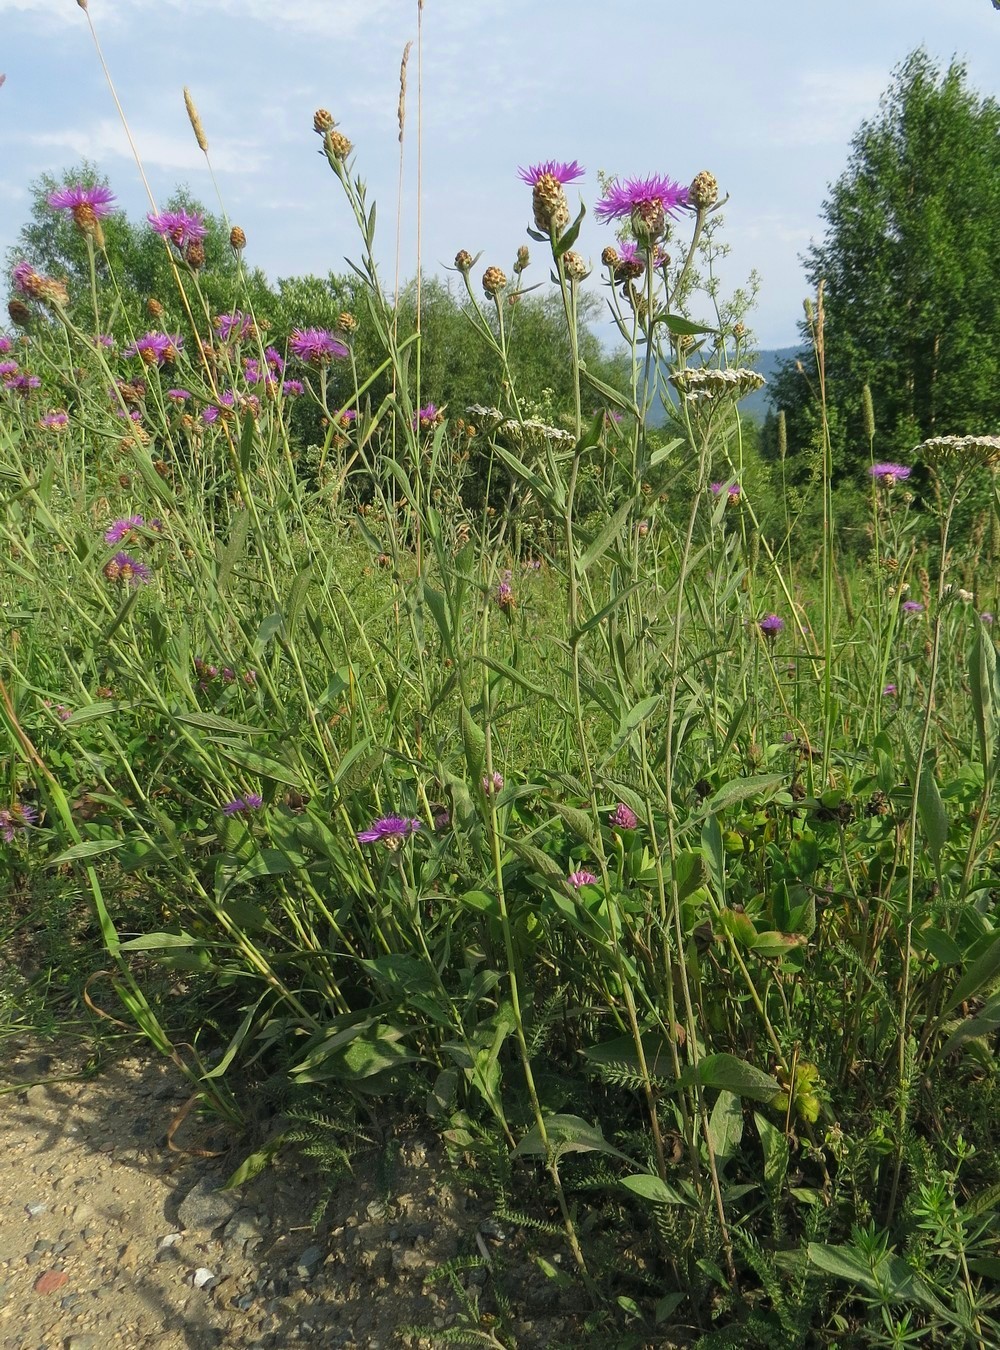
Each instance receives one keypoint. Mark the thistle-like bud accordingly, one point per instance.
(337, 145)
(154, 309)
(322, 122)
(194, 254)
(704, 190)
(237, 239)
(739, 331)
(86, 220)
(463, 261)
(494, 280)
(576, 268)
(549, 204)
(649, 221)
(523, 259)
(52, 292)
(609, 256)
(19, 313)
(347, 321)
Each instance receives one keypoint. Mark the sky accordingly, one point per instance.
(767, 96)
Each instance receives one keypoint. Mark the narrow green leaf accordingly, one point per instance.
(650, 1187)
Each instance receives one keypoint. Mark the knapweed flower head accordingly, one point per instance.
(252, 801)
(732, 491)
(646, 202)
(5, 346)
(87, 205)
(986, 617)
(548, 193)
(234, 327)
(122, 528)
(180, 227)
(771, 625)
(315, 346)
(7, 369)
(493, 784)
(54, 421)
(581, 878)
(15, 819)
(886, 475)
(889, 691)
(22, 383)
(292, 388)
(156, 349)
(505, 591)
(628, 264)
(912, 607)
(126, 570)
(427, 417)
(390, 831)
(179, 395)
(623, 817)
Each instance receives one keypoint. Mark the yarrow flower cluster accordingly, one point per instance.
(529, 434)
(250, 802)
(697, 383)
(315, 346)
(390, 831)
(15, 819)
(887, 475)
(961, 450)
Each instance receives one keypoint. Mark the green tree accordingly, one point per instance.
(908, 259)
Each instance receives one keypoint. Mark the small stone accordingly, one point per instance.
(309, 1263)
(33, 1211)
(83, 1342)
(171, 1240)
(49, 1281)
(205, 1206)
(203, 1278)
(243, 1302)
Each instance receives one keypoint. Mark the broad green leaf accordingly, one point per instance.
(233, 550)
(260, 764)
(733, 1075)
(650, 1187)
(725, 1126)
(981, 973)
(603, 541)
(90, 848)
(740, 789)
(776, 1152)
(930, 807)
(155, 942)
(566, 1134)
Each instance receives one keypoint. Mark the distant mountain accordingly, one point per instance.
(757, 406)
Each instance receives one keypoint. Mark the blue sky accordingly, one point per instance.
(766, 95)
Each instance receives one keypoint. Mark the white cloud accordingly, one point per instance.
(158, 149)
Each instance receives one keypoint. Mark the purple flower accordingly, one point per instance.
(389, 830)
(96, 199)
(426, 417)
(578, 879)
(552, 168)
(646, 200)
(179, 395)
(733, 491)
(5, 345)
(315, 346)
(493, 784)
(251, 370)
(7, 369)
(890, 691)
(912, 607)
(986, 617)
(442, 819)
(180, 227)
(888, 474)
(55, 421)
(771, 625)
(274, 359)
(25, 278)
(126, 569)
(234, 327)
(103, 340)
(623, 817)
(123, 527)
(251, 802)
(15, 819)
(209, 414)
(22, 384)
(292, 388)
(156, 349)
(505, 592)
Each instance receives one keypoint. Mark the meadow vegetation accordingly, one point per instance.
(397, 723)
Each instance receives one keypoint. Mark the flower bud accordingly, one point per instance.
(494, 280)
(704, 190)
(237, 239)
(322, 122)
